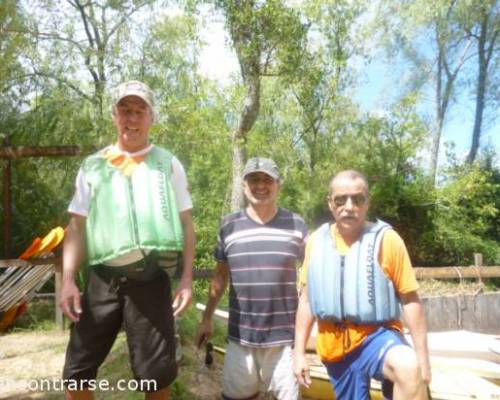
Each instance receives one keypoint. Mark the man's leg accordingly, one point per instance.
(240, 379)
(351, 376)
(149, 325)
(401, 366)
(276, 366)
(348, 381)
(92, 337)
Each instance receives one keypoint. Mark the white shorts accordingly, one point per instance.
(249, 370)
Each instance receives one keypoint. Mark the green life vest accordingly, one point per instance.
(135, 212)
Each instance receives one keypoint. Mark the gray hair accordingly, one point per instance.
(349, 174)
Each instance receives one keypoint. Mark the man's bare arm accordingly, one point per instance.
(303, 325)
(73, 256)
(217, 287)
(415, 320)
(184, 293)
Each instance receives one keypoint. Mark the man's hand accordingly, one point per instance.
(205, 332)
(183, 297)
(301, 369)
(70, 300)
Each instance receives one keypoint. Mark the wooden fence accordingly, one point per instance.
(454, 272)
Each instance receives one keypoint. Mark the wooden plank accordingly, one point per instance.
(421, 272)
(482, 368)
(219, 314)
(57, 310)
(17, 262)
(453, 385)
(476, 312)
(15, 152)
(24, 285)
(461, 344)
(9, 278)
(457, 272)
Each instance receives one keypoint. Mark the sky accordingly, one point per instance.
(377, 89)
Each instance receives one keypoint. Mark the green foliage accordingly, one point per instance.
(197, 132)
(308, 122)
(41, 188)
(268, 36)
(467, 216)
(39, 317)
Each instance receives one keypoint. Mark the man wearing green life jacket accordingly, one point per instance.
(131, 202)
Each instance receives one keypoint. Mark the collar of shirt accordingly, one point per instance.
(125, 161)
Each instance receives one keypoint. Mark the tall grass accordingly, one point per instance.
(40, 316)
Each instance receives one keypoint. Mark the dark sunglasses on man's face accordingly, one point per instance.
(358, 199)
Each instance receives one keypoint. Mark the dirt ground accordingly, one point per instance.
(27, 358)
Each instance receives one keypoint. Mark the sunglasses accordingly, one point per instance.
(358, 199)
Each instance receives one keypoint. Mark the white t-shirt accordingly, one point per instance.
(80, 204)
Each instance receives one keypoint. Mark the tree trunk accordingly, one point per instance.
(239, 159)
(436, 139)
(478, 118)
(445, 81)
(248, 117)
(483, 60)
(248, 51)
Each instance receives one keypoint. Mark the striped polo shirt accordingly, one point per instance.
(262, 259)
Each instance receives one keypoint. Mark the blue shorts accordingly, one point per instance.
(351, 376)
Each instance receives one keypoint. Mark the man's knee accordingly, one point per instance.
(402, 367)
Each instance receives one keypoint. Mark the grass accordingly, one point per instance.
(117, 364)
(39, 317)
(441, 287)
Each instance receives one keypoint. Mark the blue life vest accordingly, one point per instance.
(353, 287)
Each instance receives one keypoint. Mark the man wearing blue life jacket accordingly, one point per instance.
(131, 202)
(357, 281)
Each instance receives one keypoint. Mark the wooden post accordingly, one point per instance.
(58, 283)
(7, 205)
(478, 263)
(478, 260)
(16, 152)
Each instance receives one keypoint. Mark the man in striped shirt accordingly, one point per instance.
(257, 252)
